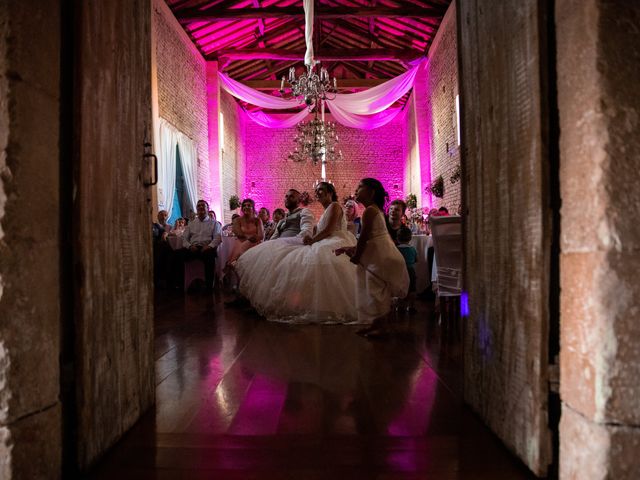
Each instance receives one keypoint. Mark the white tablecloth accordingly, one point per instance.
(422, 243)
(175, 241)
(224, 250)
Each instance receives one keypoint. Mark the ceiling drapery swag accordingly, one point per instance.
(365, 110)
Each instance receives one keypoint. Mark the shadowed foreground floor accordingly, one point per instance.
(242, 398)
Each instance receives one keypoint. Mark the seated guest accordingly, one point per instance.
(351, 214)
(396, 211)
(264, 217)
(161, 228)
(200, 240)
(410, 258)
(299, 222)
(278, 216)
(443, 212)
(179, 228)
(247, 230)
(212, 216)
(161, 250)
(227, 229)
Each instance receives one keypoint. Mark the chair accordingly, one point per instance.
(447, 244)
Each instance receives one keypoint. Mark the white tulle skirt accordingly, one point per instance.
(287, 281)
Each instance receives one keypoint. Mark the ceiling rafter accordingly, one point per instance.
(353, 54)
(217, 14)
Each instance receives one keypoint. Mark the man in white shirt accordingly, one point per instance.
(201, 239)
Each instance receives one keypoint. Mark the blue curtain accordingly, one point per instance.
(180, 198)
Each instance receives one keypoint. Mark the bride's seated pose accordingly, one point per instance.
(301, 280)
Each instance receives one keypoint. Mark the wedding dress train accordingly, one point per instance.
(287, 281)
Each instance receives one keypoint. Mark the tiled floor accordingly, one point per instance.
(242, 398)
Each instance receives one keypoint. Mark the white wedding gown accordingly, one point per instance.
(289, 282)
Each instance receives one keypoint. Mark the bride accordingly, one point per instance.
(297, 280)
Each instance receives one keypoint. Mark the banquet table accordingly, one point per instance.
(224, 250)
(175, 241)
(422, 243)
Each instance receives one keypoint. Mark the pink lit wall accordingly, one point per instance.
(232, 155)
(440, 104)
(381, 153)
(215, 169)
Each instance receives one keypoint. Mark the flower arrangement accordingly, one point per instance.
(411, 201)
(234, 202)
(306, 199)
(436, 187)
(457, 173)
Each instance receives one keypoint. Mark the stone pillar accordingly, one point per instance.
(598, 65)
(213, 109)
(423, 132)
(30, 420)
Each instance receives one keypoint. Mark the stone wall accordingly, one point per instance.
(440, 110)
(182, 87)
(380, 153)
(598, 65)
(30, 419)
(508, 224)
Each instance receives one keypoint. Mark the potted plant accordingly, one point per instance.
(411, 201)
(234, 202)
(457, 173)
(436, 187)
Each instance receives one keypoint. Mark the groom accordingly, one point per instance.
(299, 222)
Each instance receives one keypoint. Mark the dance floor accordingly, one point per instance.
(242, 398)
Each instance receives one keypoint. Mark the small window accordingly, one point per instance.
(221, 130)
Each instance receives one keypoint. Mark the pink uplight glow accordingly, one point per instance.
(269, 174)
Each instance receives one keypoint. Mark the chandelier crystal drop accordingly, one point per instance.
(311, 87)
(317, 140)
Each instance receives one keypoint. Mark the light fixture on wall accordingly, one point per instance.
(311, 87)
(318, 141)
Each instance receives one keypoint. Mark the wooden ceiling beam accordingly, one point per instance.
(353, 55)
(322, 12)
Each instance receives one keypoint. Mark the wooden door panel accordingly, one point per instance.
(507, 230)
(113, 314)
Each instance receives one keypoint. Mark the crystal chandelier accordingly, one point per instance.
(310, 87)
(317, 140)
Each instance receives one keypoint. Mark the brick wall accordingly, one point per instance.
(378, 153)
(440, 103)
(182, 87)
(233, 153)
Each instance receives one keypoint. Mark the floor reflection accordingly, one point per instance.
(239, 397)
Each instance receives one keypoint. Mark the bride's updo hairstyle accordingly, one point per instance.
(380, 196)
(329, 188)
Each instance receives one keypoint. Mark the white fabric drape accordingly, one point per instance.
(167, 137)
(378, 98)
(170, 138)
(280, 121)
(308, 31)
(255, 97)
(363, 122)
(189, 159)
